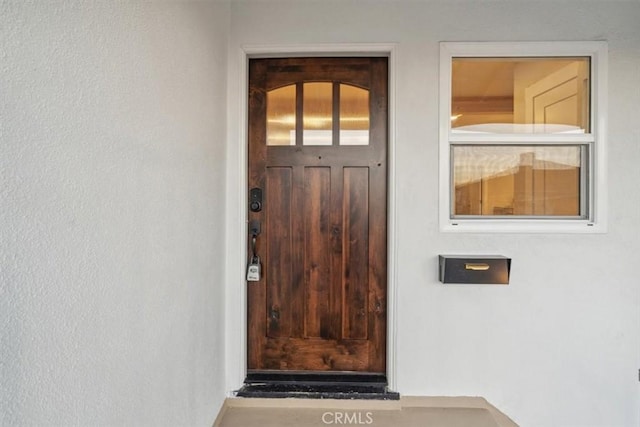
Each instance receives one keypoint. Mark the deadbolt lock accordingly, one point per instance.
(255, 200)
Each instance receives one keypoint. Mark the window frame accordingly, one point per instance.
(595, 141)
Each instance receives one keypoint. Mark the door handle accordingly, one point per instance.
(254, 231)
(254, 227)
(253, 268)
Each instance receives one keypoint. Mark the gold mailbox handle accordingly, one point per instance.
(476, 266)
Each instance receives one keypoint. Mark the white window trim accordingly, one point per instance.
(597, 221)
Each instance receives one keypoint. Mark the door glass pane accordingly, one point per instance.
(354, 115)
(318, 114)
(521, 180)
(281, 116)
(520, 95)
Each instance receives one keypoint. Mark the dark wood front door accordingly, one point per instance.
(318, 152)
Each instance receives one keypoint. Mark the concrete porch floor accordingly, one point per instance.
(409, 411)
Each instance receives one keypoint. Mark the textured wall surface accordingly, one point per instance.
(559, 346)
(113, 122)
(112, 157)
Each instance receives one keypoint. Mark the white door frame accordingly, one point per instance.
(235, 329)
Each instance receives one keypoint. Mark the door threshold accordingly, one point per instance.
(317, 385)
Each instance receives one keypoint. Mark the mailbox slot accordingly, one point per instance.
(475, 269)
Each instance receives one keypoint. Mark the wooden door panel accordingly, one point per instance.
(320, 156)
(299, 354)
(321, 302)
(279, 250)
(317, 263)
(355, 280)
(281, 72)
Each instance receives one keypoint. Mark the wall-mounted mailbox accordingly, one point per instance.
(475, 269)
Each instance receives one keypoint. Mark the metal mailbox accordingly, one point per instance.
(475, 269)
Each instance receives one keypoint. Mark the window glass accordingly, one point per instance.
(281, 116)
(318, 113)
(523, 136)
(520, 95)
(317, 116)
(517, 180)
(354, 115)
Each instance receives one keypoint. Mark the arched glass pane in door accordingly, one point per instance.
(354, 115)
(317, 110)
(281, 116)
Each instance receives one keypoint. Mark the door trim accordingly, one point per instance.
(235, 330)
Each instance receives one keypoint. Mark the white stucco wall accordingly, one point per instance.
(112, 158)
(114, 201)
(559, 346)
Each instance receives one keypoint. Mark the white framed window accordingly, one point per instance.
(522, 136)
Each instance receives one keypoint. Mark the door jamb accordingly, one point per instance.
(236, 320)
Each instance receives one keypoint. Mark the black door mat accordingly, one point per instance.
(317, 386)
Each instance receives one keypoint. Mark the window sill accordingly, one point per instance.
(522, 226)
